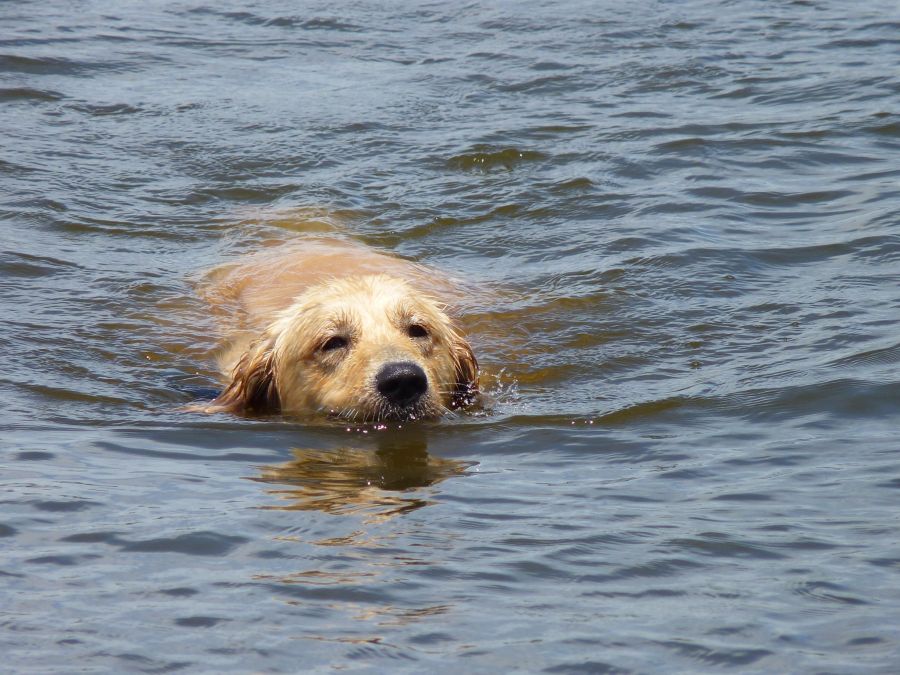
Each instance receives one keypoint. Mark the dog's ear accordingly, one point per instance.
(252, 388)
(466, 389)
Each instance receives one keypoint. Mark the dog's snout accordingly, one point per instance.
(401, 383)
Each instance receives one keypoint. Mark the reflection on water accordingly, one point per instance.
(381, 483)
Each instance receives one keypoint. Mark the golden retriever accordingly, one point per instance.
(330, 326)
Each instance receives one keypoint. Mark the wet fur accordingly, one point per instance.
(289, 367)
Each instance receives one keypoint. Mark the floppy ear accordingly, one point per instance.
(252, 388)
(466, 389)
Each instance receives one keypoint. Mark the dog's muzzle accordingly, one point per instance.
(402, 383)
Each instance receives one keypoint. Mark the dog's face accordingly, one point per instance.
(363, 348)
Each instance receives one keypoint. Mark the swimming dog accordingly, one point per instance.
(330, 326)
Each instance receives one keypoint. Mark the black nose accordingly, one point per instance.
(401, 383)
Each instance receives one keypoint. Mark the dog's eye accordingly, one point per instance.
(417, 331)
(334, 342)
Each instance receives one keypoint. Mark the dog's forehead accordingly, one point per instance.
(377, 297)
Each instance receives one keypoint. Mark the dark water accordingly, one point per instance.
(688, 213)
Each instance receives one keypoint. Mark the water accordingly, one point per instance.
(685, 215)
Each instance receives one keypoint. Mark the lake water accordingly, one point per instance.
(687, 217)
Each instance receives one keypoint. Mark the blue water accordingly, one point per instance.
(686, 219)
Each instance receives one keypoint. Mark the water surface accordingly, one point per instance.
(687, 214)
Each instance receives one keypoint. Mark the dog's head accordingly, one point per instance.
(364, 348)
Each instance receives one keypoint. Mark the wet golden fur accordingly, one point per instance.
(320, 320)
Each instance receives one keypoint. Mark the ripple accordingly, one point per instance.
(743, 497)
(773, 199)
(111, 537)
(539, 85)
(24, 265)
(106, 109)
(8, 94)
(657, 568)
(192, 543)
(60, 560)
(199, 621)
(827, 592)
(485, 158)
(722, 546)
(716, 656)
(180, 592)
(64, 506)
(35, 456)
(878, 356)
(288, 21)
(14, 63)
(585, 666)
